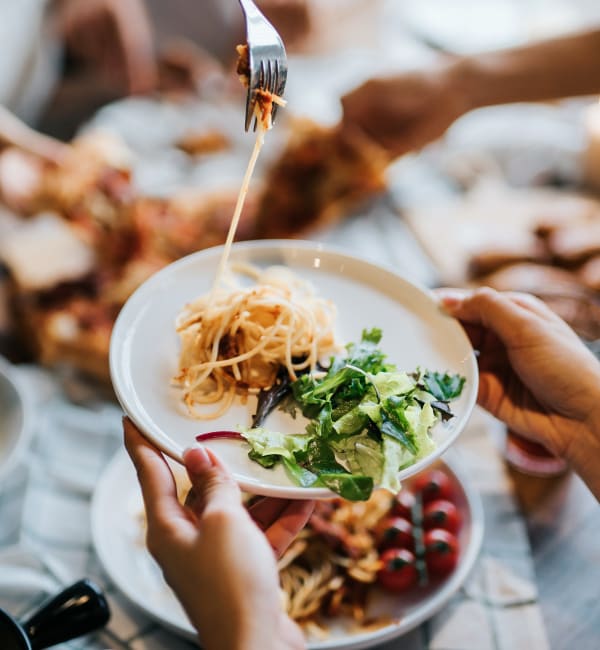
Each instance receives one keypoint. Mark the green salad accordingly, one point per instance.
(367, 421)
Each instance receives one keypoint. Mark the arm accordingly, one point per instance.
(409, 110)
(534, 374)
(551, 69)
(15, 133)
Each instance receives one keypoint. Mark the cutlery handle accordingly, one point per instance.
(79, 609)
(250, 9)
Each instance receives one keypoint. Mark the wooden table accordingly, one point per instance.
(563, 520)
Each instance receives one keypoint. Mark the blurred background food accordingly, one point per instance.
(147, 96)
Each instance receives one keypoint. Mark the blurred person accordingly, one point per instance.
(405, 112)
(109, 39)
(214, 25)
(219, 26)
(534, 374)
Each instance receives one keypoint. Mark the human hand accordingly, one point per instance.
(407, 111)
(114, 36)
(213, 555)
(535, 374)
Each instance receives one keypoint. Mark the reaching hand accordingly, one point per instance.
(213, 555)
(406, 112)
(115, 37)
(534, 373)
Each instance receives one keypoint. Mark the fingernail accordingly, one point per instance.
(450, 299)
(196, 459)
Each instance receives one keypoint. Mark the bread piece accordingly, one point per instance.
(75, 332)
(589, 273)
(562, 290)
(534, 278)
(322, 174)
(44, 252)
(574, 244)
(198, 143)
(525, 248)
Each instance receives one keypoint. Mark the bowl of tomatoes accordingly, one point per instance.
(418, 540)
(428, 538)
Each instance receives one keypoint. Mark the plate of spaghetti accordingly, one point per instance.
(331, 575)
(192, 358)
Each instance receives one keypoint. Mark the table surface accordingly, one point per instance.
(562, 517)
(563, 521)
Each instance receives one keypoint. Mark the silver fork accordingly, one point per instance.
(267, 59)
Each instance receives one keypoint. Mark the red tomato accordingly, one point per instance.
(433, 484)
(441, 514)
(441, 551)
(398, 572)
(394, 532)
(403, 504)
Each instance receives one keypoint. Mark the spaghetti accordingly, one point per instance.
(330, 567)
(235, 339)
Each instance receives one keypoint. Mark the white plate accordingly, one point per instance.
(145, 349)
(117, 532)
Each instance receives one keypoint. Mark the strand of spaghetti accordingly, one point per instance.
(260, 138)
(240, 357)
(288, 349)
(239, 342)
(224, 406)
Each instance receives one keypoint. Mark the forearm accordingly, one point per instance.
(552, 69)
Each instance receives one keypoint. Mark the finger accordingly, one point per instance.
(487, 307)
(155, 477)
(533, 304)
(213, 486)
(290, 522)
(266, 510)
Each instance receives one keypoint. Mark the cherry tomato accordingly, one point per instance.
(433, 484)
(403, 504)
(394, 532)
(398, 572)
(441, 551)
(441, 514)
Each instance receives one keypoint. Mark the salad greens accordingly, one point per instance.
(367, 421)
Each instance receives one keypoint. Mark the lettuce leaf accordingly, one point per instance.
(273, 443)
(367, 422)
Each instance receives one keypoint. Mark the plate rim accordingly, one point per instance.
(285, 246)
(359, 641)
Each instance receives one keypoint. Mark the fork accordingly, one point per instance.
(266, 57)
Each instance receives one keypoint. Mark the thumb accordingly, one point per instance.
(213, 486)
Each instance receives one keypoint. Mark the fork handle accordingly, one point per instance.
(250, 9)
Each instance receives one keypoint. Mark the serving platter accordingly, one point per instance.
(118, 531)
(145, 349)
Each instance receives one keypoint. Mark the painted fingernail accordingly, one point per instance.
(196, 459)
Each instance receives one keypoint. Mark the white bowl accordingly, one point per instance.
(15, 418)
